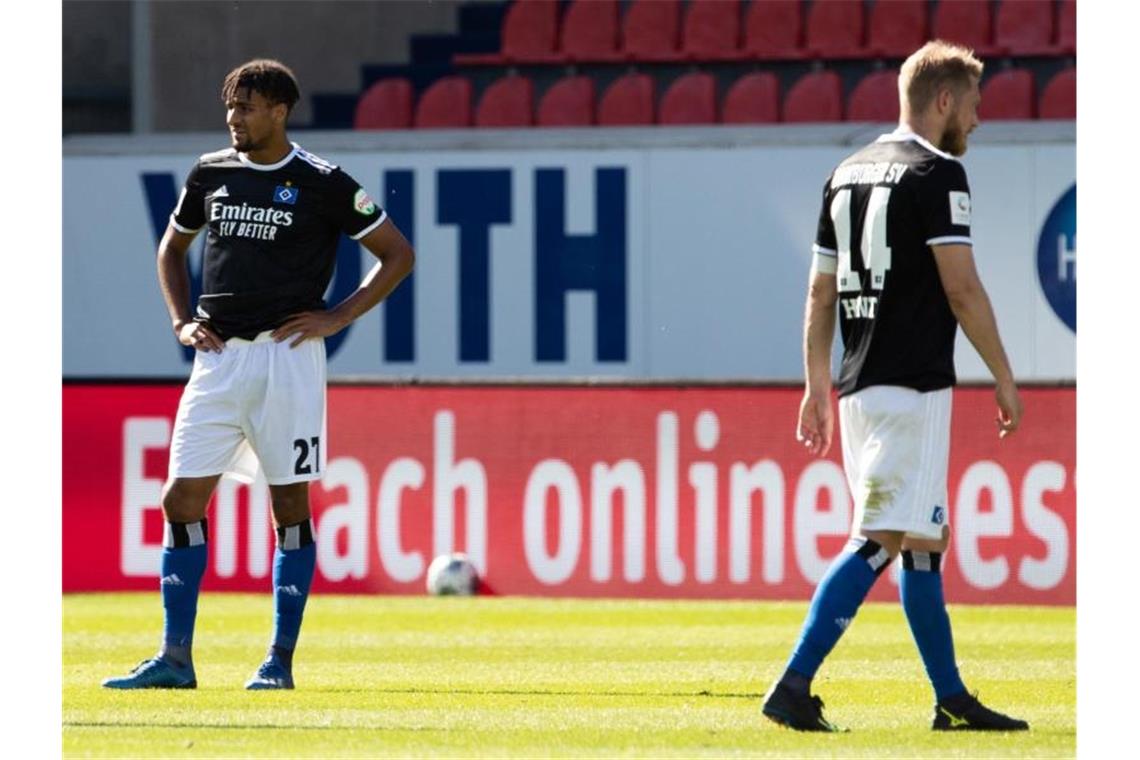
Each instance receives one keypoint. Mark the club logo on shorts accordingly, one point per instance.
(362, 203)
(284, 194)
(939, 515)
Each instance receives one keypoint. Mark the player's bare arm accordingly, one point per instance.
(174, 280)
(972, 309)
(395, 261)
(816, 423)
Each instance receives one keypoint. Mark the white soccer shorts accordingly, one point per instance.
(896, 452)
(256, 401)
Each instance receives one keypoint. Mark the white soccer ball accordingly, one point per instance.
(452, 574)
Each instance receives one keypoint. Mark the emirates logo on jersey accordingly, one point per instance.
(248, 221)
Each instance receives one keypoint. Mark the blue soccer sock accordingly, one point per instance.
(920, 589)
(833, 607)
(293, 565)
(183, 564)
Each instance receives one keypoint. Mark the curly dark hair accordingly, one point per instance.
(273, 80)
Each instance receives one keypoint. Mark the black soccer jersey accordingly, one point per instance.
(272, 235)
(883, 208)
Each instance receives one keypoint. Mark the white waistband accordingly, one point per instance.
(262, 337)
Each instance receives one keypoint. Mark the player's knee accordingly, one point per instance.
(183, 502)
(934, 545)
(888, 539)
(290, 503)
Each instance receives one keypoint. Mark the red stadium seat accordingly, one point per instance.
(651, 30)
(691, 99)
(897, 28)
(568, 103)
(508, 102)
(712, 30)
(628, 100)
(530, 30)
(1067, 27)
(387, 104)
(835, 29)
(875, 98)
(1008, 95)
(773, 30)
(1059, 98)
(590, 31)
(446, 104)
(965, 22)
(817, 96)
(753, 99)
(1025, 27)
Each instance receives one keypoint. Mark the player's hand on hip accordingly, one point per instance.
(197, 335)
(1009, 408)
(308, 324)
(816, 423)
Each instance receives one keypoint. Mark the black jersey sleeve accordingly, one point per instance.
(190, 214)
(944, 201)
(825, 230)
(352, 210)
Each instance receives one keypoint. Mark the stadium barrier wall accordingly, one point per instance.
(613, 491)
(626, 253)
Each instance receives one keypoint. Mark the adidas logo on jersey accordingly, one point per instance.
(290, 590)
(221, 192)
(171, 580)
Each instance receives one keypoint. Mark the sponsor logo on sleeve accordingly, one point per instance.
(960, 208)
(363, 204)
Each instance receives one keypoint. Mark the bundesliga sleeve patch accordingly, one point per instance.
(363, 204)
(959, 208)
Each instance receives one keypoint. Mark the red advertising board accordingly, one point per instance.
(573, 491)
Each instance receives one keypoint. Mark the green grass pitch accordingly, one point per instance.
(403, 676)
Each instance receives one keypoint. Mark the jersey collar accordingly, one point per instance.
(269, 167)
(905, 134)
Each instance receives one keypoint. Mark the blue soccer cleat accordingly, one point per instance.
(155, 673)
(271, 675)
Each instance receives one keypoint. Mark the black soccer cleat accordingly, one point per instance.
(798, 711)
(966, 713)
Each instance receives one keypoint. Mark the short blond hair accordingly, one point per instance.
(936, 65)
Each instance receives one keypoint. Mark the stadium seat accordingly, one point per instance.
(712, 31)
(835, 29)
(875, 98)
(1059, 98)
(529, 34)
(568, 103)
(590, 32)
(817, 96)
(1024, 27)
(446, 104)
(966, 22)
(507, 102)
(897, 27)
(1067, 27)
(691, 99)
(627, 101)
(1008, 95)
(753, 99)
(387, 104)
(773, 30)
(651, 30)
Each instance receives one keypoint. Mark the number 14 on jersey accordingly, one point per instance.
(873, 247)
